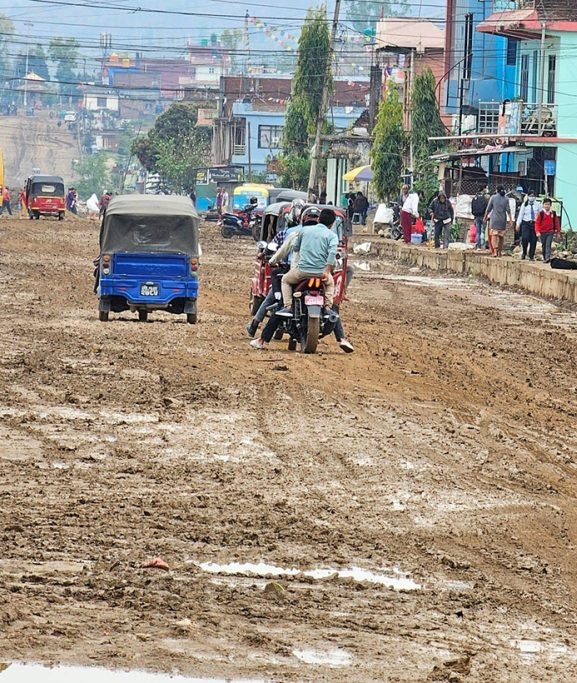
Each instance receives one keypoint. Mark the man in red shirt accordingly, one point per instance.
(547, 225)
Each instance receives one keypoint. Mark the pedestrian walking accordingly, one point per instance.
(528, 212)
(23, 204)
(499, 211)
(442, 214)
(409, 213)
(547, 226)
(361, 207)
(478, 209)
(6, 200)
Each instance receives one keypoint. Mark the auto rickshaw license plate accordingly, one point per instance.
(149, 289)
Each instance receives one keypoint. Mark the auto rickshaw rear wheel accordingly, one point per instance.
(103, 316)
(292, 345)
(61, 216)
(255, 302)
(143, 316)
(191, 318)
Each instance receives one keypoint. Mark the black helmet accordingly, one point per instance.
(253, 200)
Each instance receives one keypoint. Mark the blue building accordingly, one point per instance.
(492, 63)
(248, 131)
(257, 131)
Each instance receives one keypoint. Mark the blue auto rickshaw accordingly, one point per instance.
(149, 256)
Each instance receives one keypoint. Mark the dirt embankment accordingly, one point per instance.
(29, 142)
(431, 475)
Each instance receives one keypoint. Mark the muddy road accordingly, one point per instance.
(403, 513)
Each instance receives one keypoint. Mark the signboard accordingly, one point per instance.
(549, 166)
(226, 174)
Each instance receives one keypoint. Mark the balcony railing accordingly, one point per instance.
(517, 118)
(510, 5)
(239, 150)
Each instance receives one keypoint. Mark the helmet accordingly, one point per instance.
(253, 201)
(297, 206)
(311, 213)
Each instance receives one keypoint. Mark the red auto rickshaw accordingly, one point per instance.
(45, 196)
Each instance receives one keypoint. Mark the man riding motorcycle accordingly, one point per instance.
(326, 219)
(317, 249)
(270, 299)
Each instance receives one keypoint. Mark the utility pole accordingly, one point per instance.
(324, 103)
(467, 60)
(26, 78)
(542, 89)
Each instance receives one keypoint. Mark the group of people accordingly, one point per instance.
(222, 200)
(307, 248)
(534, 220)
(357, 206)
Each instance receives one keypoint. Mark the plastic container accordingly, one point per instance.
(416, 238)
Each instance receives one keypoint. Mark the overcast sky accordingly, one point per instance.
(167, 24)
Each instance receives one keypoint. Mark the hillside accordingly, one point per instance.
(37, 141)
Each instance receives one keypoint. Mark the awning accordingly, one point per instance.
(449, 156)
(520, 23)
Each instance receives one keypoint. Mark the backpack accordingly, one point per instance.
(478, 205)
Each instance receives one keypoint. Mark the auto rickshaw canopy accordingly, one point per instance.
(150, 223)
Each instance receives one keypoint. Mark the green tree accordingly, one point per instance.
(175, 147)
(426, 122)
(37, 62)
(93, 174)
(364, 15)
(6, 33)
(389, 145)
(64, 53)
(232, 40)
(306, 99)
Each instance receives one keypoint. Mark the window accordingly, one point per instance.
(512, 51)
(101, 102)
(269, 137)
(211, 70)
(524, 78)
(551, 79)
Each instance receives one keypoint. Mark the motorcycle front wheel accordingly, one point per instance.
(226, 231)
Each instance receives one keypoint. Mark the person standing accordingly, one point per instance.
(6, 200)
(478, 209)
(23, 203)
(526, 225)
(403, 196)
(219, 191)
(361, 207)
(224, 201)
(71, 199)
(409, 212)
(499, 211)
(442, 214)
(547, 225)
(192, 196)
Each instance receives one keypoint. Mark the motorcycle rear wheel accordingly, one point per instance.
(310, 340)
(226, 231)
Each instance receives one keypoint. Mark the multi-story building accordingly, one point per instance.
(479, 66)
(542, 112)
(248, 130)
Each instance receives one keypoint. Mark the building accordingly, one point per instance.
(479, 66)
(542, 115)
(248, 129)
(407, 46)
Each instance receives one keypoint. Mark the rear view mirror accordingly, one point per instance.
(261, 245)
(272, 246)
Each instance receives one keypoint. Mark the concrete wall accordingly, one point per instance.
(534, 278)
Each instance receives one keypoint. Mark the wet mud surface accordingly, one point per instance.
(403, 513)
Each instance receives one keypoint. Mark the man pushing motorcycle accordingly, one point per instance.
(317, 248)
